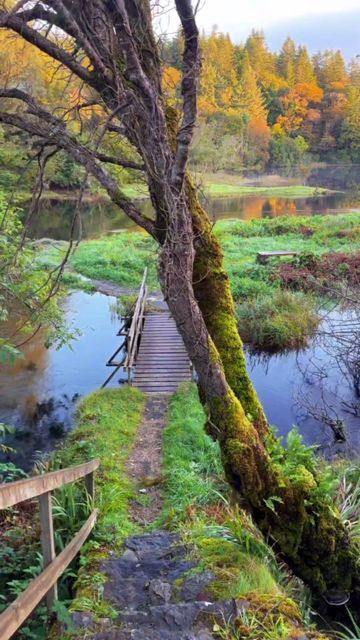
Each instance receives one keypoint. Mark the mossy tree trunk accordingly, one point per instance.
(310, 535)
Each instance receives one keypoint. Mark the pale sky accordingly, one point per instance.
(317, 23)
(240, 15)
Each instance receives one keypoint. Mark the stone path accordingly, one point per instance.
(143, 585)
(150, 584)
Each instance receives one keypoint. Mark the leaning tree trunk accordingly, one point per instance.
(310, 535)
(306, 531)
(212, 291)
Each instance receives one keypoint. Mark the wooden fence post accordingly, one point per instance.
(47, 542)
(90, 484)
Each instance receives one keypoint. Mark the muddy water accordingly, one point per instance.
(39, 393)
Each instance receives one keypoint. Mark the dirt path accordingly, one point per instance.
(144, 466)
(152, 584)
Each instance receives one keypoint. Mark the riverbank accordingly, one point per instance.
(213, 185)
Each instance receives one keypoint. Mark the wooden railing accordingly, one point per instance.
(45, 585)
(132, 335)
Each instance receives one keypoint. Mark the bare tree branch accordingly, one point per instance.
(33, 36)
(191, 68)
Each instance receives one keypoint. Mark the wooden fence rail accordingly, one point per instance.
(45, 585)
(132, 336)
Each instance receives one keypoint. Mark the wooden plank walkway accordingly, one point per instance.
(162, 362)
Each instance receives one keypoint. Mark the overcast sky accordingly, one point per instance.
(316, 23)
(238, 16)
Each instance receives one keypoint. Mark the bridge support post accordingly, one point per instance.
(47, 542)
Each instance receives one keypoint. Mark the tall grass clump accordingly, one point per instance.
(278, 321)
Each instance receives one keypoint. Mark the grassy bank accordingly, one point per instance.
(223, 537)
(267, 318)
(219, 190)
(107, 423)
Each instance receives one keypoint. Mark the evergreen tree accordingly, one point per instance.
(304, 69)
(287, 61)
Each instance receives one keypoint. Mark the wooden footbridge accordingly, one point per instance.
(155, 358)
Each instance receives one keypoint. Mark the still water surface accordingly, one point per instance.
(39, 393)
(54, 219)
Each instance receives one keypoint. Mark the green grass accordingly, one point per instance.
(255, 287)
(120, 258)
(218, 189)
(278, 321)
(191, 459)
(223, 538)
(106, 428)
(136, 190)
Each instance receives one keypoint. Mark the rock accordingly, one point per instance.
(141, 585)
(83, 620)
(155, 542)
(159, 591)
(195, 585)
(129, 556)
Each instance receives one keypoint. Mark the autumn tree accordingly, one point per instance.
(110, 47)
(304, 69)
(287, 61)
(351, 124)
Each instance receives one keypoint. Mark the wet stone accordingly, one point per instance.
(154, 543)
(195, 586)
(159, 591)
(83, 620)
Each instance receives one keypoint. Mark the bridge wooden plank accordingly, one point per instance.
(162, 362)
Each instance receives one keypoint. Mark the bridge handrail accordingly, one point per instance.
(136, 326)
(14, 492)
(45, 585)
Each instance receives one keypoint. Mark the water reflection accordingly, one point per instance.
(38, 393)
(305, 387)
(54, 218)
